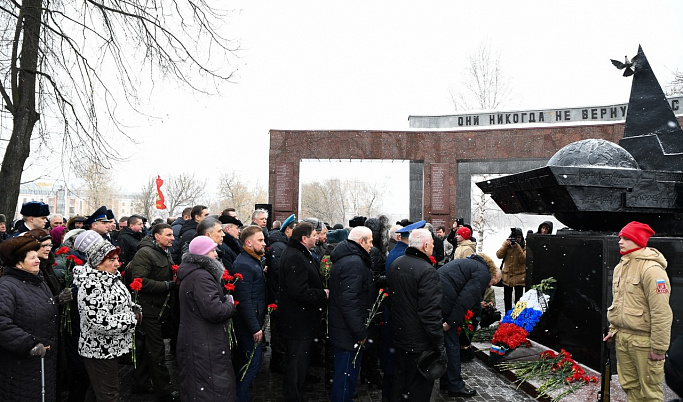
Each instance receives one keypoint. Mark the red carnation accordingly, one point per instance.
(229, 287)
(239, 276)
(385, 295)
(432, 259)
(62, 250)
(236, 302)
(225, 275)
(272, 307)
(174, 268)
(136, 285)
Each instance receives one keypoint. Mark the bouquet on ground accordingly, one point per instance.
(373, 312)
(68, 261)
(229, 282)
(243, 370)
(558, 373)
(135, 286)
(521, 320)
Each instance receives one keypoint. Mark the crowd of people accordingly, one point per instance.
(79, 297)
(387, 305)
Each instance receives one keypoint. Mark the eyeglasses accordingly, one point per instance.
(46, 245)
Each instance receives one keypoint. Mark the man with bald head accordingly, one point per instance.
(415, 294)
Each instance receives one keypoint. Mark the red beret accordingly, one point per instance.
(637, 232)
(464, 232)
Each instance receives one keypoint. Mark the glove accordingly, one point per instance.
(170, 285)
(230, 299)
(38, 350)
(65, 296)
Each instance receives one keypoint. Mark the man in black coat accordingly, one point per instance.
(129, 238)
(302, 299)
(278, 243)
(415, 298)
(463, 282)
(351, 297)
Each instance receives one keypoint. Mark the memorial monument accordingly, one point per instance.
(595, 187)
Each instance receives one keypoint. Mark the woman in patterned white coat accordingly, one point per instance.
(108, 316)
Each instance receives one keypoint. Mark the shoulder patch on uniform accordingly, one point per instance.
(661, 286)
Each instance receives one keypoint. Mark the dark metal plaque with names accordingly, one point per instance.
(284, 192)
(440, 194)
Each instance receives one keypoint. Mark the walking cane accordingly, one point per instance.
(42, 373)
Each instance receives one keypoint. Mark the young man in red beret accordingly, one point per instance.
(640, 316)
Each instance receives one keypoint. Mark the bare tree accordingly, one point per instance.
(234, 193)
(335, 200)
(675, 87)
(484, 84)
(145, 201)
(77, 66)
(183, 190)
(97, 187)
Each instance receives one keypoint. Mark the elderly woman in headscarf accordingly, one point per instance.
(203, 352)
(47, 262)
(28, 324)
(108, 316)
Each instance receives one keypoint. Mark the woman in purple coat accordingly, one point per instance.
(206, 372)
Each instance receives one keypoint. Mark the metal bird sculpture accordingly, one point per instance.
(627, 65)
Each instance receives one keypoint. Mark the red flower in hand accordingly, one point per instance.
(239, 276)
(174, 268)
(229, 287)
(62, 250)
(468, 315)
(136, 285)
(225, 275)
(272, 307)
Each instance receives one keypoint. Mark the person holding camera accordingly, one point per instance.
(513, 253)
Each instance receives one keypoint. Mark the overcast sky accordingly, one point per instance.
(369, 65)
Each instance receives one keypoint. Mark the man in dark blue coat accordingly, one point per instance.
(302, 299)
(251, 311)
(415, 297)
(388, 354)
(463, 282)
(351, 297)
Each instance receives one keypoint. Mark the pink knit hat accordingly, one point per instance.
(202, 245)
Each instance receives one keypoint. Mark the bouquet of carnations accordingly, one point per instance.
(559, 374)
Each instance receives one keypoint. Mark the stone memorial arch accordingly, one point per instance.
(442, 162)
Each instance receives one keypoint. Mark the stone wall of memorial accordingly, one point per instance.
(441, 152)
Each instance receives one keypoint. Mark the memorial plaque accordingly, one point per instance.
(284, 192)
(440, 194)
(440, 220)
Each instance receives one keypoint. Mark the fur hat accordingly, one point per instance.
(38, 234)
(202, 245)
(86, 239)
(35, 208)
(14, 249)
(98, 251)
(464, 232)
(225, 219)
(637, 232)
